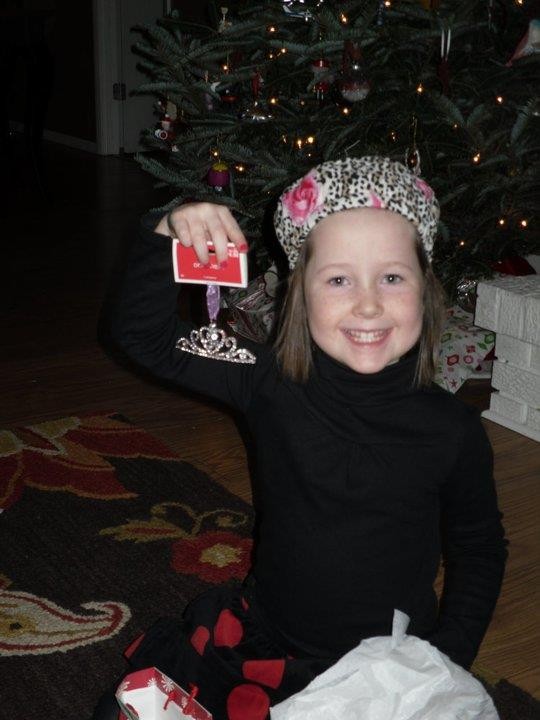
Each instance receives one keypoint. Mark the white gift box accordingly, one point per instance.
(510, 306)
(150, 695)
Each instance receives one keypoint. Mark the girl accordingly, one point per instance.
(368, 472)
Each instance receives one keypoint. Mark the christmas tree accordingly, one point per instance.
(449, 88)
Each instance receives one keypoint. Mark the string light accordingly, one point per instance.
(271, 28)
(271, 56)
(519, 2)
(299, 143)
(283, 50)
(310, 139)
(345, 110)
(523, 223)
(462, 243)
(455, 126)
(420, 88)
(387, 3)
(393, 136)
(500, 99)
(215, 153)
(225, 67)
(240, 168)
(502, 222)
(476, 158)
(273, 101)
(344, 19)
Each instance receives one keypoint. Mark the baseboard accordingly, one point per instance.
(60, 138)
(512, 425)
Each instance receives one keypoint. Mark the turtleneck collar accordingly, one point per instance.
(347, 386)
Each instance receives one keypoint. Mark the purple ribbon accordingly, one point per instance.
(212, 301)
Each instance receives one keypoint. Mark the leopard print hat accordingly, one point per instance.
(370, 181)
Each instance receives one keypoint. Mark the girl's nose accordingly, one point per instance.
(367, 304)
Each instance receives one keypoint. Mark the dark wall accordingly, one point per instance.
(48, 59)
(72, 108)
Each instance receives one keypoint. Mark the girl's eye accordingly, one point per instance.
(339, 280)
(393, 279)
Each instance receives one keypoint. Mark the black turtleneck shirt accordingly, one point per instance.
(364, 483)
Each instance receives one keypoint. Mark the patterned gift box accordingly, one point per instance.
(150, 695)
(466, 350)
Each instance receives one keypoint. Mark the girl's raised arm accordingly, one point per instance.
(196, 223)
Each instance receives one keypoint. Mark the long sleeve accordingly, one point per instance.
(144, 323)
(473, 548)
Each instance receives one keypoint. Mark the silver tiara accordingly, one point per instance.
(212, 342)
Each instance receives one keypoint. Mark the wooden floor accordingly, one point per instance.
(58, 261)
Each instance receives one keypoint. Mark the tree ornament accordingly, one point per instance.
(322, 76)
(412, 156)
(229, 92)
(353, 84)
(224, 23)
(166, 130)
(255, 111)
(443, 71)
(301, 8)
(380, 12)
(529, 43)
(466, 294)
(219, 176)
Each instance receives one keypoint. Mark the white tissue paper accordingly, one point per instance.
(397, 677)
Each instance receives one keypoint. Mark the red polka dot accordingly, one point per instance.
(245, 604)
(266, 672)
(247, 702)
(228, 631)
(199, 638)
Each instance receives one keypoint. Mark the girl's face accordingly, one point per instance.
(363, 288)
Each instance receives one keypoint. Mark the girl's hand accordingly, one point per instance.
(196, 223)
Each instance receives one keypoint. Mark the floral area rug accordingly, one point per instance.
(102, 530)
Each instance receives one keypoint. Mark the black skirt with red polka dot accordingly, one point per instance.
(224, 648)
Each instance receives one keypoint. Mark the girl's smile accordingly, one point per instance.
(363, 288)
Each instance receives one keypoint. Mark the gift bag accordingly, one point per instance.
(391, 678)
(150, 695)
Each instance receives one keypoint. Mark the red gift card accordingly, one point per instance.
(189, 269)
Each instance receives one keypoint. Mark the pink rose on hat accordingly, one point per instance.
(424, 188)
(303, 200)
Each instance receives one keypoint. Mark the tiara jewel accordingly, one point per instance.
(212, 342)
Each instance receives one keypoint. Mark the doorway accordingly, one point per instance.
(121, 115)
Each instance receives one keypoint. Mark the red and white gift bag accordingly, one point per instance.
(150, 695)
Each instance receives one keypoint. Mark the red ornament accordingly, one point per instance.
(353, 85)
(166, 129)
(323, 78)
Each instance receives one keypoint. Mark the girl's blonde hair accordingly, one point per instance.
(294, 345)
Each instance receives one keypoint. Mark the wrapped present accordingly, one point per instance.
(466, 351)
(150, 695)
